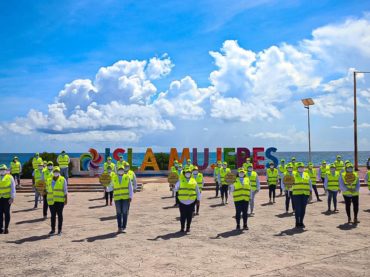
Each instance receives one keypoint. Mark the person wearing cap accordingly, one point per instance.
(282, 171)
(323, 170)
(339, 164)
(181, 176)
(109, 189)
(38, 175)
(247, 163)
(188, 195)
(351, 192)
(57, 198)
(216, 173)
(36, 161)
(288, 187)
(272, 179)
(331, 185)
(301, 192)
(63, 162)
(16, 170)
(131, 174)
(224, 186)
(120, 161)
(7, 196)
(109, 163)
(200, 182)
(189, 164)
(254, 184)
(293, 161)
(311, 171)
(241, 190)
(174, 169)
(122, 195)
(47, 174)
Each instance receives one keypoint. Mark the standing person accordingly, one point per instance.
(122, 195)
(241, 190)
(254, 184)
(282, 171)
(272, 179)
(293, 161)
(47, 176)
(120, 161)
(174, 169)
(38, 175)
(367, 178)
(57, 198)
(339, 164)
(247, 163)
(323, 170)
(36, 161)
(109, 189)
(216, 173)
(224, 186)
(16, 170)
(63, 162)
(131, 174)
(189, 164)
(188, 195)
(288, 188)
(311, 171)
(331, 185)
(200, 182)
(301, 192)
(351, 192)
(109, 163)
(7, 196)
(181, 176)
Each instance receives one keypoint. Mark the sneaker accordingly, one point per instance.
(303, 226)
(245, 227)
(356, 221)
(328, 210)
(349, 220)
(197, 213)
(237, 227)
(226, 203)
(59, 233)
(6, 231)
(188, 230)
(119, 230)
(51, 233)
(182, 231)
(336, 210)
(319, 200)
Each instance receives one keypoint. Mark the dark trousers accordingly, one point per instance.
(45, 206)
(4, 212)
(288, 199)
(110, 193)
(332, 195)
(280, 187)
(300, 203)
(177, 202)
(224, 191)
(272, 192)
(323, 181)
(17, 178)
(316, 192)
(241, 209)
(355, 201)
(217, 188)
(186, 214)
(56, 209)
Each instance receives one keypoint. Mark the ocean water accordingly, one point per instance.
(317, 157)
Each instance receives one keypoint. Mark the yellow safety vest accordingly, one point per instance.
(187, 190)
(350, 187)
(252, 180)
(37, 175)
(36, 162)
(282, 169)
(48, 174)
(199, 180)
(5, 186)
(301, 185)
(63, 161)
(223, 172)
(272, 176)
(55, 194)
(121, 189)
(368, 179)
(15, 167)
(112, 165)
(216, 171)
(339, 165)
(312, 173)
(333, 181)
(324, 170)
(241, 191)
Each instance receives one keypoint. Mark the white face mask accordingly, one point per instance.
(219, 165)
(249, 169)
(109, 171)
(195, 172)
(56, 174)
(41, 167)
(332, 170)
(120, 172)
(2, 172)
(271, 166)
(188, 175)
(50, 167)
(224, 166)
(290, 169)
(301, 170)
(349, 169)
(241, 175)
(127, 169)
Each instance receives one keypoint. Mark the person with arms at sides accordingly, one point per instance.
(109, 189)
(224, 185)
(272, 179)
(311, 171)
(131, 174)
(200, 182)
(7, 196)
(282, 171)
(331, 185)
(288, 187)
(216, 173)
(38, 175)
(323, 170)
(16, 170)
(254, 184)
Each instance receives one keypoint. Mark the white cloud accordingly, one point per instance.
(290, 136)
(158, 68)
(360, 126)
(96, 136)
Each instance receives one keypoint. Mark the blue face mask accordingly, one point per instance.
(349, 169)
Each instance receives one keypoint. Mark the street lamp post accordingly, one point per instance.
(355, 115)
(307, 103)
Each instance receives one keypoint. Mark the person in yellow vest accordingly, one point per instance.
(351, 192)
(323, 170)
(109, 163)
(189, 195)
(331, 185)
(63, 162)
(7, 196)
(288, 188)
(16, 170)
(339, 164)
(120, 161)
(181, 176)
(241, 190)
(122, 195)
(224, 186)
(109, 189)
(57, 198)
(174, 169)
(294, 163)
(36, 161)
(312, 172)
(200, 182)
(216, 173)
(301, 192)
(272, 180)
(255, 185)
(247, 163)
(367, 179)
(189, 164)
(37, 175)
(131, 174)
(282, 171)
(47, 174)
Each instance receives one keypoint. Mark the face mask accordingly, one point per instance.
(290, 169)
(120, 172)
(249, 169)
(219, 165)
(50, 167)
(109, 171)
(301, 170)
(271, 166)
(41, 167)
(56, 174)
(187, 175)
(109, 162)
(2, 172)
(195, 172)
(241, 175)
(349, 169)
(332, 170)
(127, 168)
(224, 166)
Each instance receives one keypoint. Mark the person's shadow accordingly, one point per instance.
(347, 226)
(290, 232)
(170, 207)
(367, 211)
(96, 199)
(169, 236)
(22, 211)
(267, 204)
(98, 206)
(228, 234)
(328, 212)
(167, 197)
(99, 237)
(30, 221)
(106, 218)
(216, 205)
(284, 215)
(30, 239)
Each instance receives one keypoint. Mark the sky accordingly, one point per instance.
(202, 73)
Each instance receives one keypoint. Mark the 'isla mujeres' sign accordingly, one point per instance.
(236, 156)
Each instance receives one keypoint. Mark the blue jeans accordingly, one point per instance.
(64, 173)
(37, 197)
(300, 203)
(332, 194)
(122, 208)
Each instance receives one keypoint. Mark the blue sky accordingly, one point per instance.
(46, 45)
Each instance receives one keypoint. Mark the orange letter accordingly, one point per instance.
(149, 160)
(185, 154)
